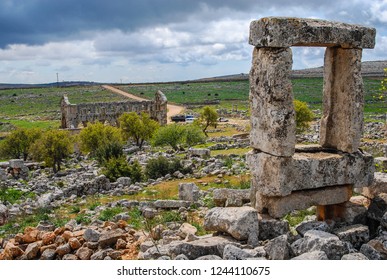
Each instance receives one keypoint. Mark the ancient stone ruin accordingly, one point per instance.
(75, 114)
(286, 177)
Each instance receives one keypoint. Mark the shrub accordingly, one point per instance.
(115, 168)
(108, 151)
(97, 136)
(172, 135)
(18, 143)
(176, 135)
(161, 166)
(303, 116)
(53, 147)
(119, 167)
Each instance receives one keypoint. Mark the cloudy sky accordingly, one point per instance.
(155, 40)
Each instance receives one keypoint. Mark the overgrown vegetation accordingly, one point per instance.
(161, 166)
(176, 135)
(53, 147)
(140, 128)
(303, 116)
(18, 143)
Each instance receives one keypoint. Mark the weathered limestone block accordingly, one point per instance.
(16, 163)
(279, 206)
(279, 176)
(240, 222)
(272, 111)
(378, 186)
(315, 240)
(230, 197)
(282, 32)
(189, 192)
(343, 100)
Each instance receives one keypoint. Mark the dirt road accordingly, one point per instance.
(172, 109)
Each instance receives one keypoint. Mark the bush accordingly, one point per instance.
(115, 168)
(108, 151)
(18, 143)
(53, 147)
(161, 166)
(172, 135)
(176, 135)
(303, 116)
(97, 136)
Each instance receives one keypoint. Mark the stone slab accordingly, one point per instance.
(279, 176)
(343, 100)
(378, 186)
(277, 207)
(273, 126)
(282, 32)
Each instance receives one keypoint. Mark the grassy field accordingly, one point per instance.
(237, 92)
(44, 103)
(40, 107)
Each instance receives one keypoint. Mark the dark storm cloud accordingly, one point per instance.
(40, 21)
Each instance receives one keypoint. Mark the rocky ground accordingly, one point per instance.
(215, 223)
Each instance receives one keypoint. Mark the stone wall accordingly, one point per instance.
(285, 177)
(75, 114)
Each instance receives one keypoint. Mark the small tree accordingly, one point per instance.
(53, 147)
(303, 116)
(172, 135)
(208, 117)
(18, 142)
(139, 128)
(194, 135)
(97, 136)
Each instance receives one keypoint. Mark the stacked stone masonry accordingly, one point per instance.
(284, 177)
(75, 114)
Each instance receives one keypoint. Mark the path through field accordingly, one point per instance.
(172, 109)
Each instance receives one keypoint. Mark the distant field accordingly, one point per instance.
(44, 103)
(236, 92)
(41, 106)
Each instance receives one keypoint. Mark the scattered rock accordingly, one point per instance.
(357, 235)
(314, 255)
(240, 222)
(189, 192)
(354, 256)
(315, 240)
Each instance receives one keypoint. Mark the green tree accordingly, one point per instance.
(172, 135)
(140, 128)
(18, 143)
(53, 147)
(303, 116)
(97, 136)
(208, 117)
(194, 135)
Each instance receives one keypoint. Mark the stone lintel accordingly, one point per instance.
(280, 32)
(277, 207)
(280, 176)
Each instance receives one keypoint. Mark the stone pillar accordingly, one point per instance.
(342, 121)
(271, 100)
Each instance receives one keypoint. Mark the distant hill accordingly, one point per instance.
(369, 69)
(60, 84)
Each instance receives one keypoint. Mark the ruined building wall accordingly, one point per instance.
(75, 114)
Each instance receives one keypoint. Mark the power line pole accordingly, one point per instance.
(57, 79)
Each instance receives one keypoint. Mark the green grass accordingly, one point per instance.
(109, 213)
(44, 103)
